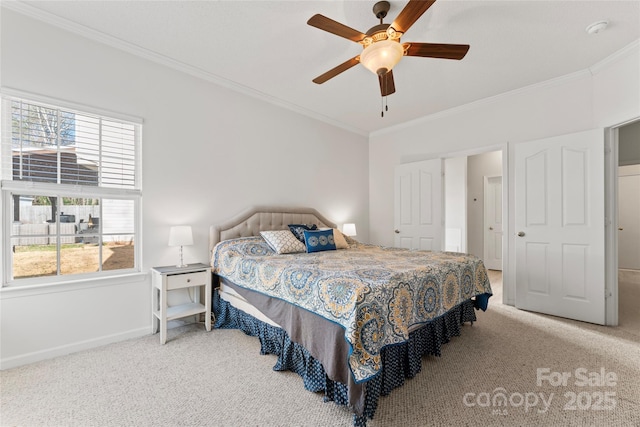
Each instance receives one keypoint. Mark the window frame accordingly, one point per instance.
(8, 187)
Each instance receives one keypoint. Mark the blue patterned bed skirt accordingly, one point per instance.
(400, 362)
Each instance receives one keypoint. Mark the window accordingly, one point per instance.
(71, 192)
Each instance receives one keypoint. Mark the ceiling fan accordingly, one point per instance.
(382, 49)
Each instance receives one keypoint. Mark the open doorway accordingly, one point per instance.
(474, 209)
(629, 226)
(482, 168)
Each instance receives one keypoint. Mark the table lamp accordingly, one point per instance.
(349, 229)
(180, 235)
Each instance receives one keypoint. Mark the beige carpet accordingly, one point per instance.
(629, 302)
(219, 379)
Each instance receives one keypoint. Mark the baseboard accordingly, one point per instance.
(50, 353)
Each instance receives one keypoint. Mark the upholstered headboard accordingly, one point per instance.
(263, 218)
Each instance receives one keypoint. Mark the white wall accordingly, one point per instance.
(455, 204)
(603, 96)
(629, 144)
(208, 153)
(616, 87)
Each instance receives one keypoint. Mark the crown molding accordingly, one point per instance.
(114, 42)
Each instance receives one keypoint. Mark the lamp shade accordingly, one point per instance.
(349, 229)
(380, 57)
(180, 235)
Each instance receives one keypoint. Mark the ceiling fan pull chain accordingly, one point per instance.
(383, 105)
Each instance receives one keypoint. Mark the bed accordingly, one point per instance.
(353, 322)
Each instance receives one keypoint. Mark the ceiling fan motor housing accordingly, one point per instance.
(378, 32)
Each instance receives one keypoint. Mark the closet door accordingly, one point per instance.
(419, 206)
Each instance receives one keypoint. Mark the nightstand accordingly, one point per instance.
(163, 279)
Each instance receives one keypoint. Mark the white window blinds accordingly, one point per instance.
(61, 146)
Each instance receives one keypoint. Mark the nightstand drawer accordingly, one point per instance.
(177, 281)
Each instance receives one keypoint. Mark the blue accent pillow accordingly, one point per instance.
(298, 230)
(321, 240)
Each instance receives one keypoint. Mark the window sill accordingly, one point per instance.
(20, 291)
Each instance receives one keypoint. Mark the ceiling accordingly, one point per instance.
(265, 48)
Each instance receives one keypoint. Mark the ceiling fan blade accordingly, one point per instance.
(334, 27)
(410, 14)
(436, 50)
(337, 70)
(387, 86)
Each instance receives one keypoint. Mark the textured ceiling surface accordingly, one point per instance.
(266, 48)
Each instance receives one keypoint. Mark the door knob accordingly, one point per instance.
(396, 231)
(521, 234)
(620, 229)
(490, 228)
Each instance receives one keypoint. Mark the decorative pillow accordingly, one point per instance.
(283, 241)
(321, 240)
(298, 230)
(338, 237)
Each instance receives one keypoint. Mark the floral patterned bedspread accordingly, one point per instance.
(378, 294)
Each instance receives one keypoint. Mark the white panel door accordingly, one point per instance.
(559, 202)
(418, 205)
(493, 222)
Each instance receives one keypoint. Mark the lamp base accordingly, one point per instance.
(181, 264)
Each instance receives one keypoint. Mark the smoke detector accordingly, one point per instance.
(597, 27)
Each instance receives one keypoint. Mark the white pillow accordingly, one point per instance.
(283, 241)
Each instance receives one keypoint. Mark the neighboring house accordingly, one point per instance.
(209, 152)
(36, 164)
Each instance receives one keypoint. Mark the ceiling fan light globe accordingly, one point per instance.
(382, 55)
